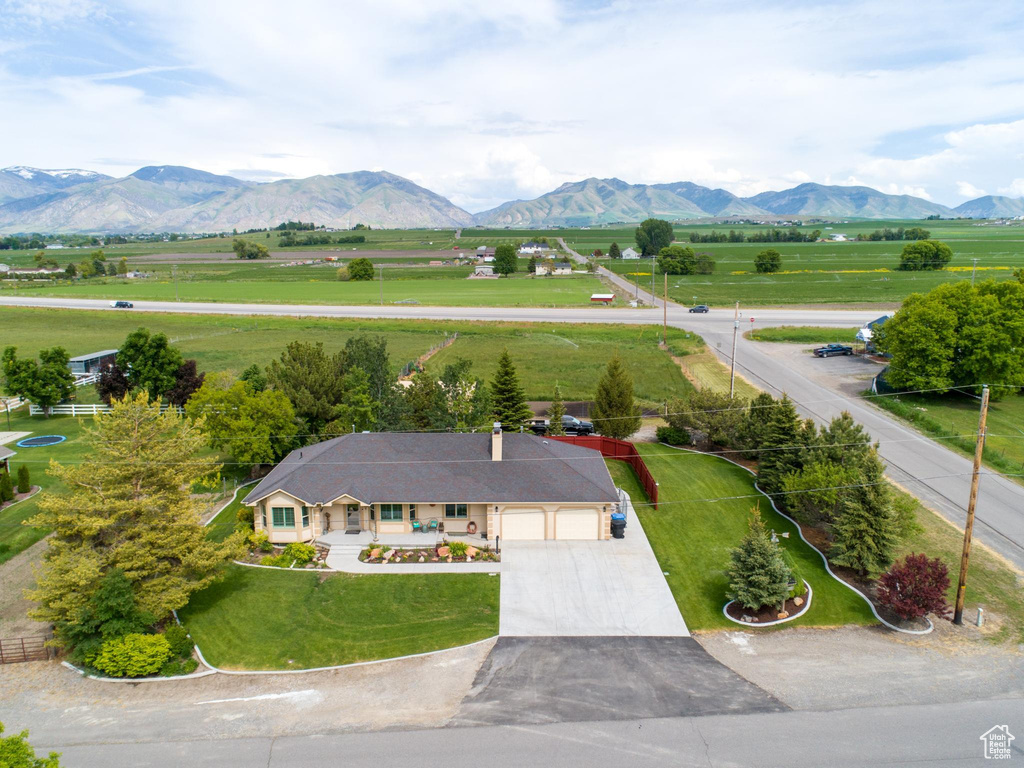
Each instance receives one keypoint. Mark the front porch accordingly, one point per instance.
(339, 539)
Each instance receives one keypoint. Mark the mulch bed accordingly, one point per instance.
(869, 587)
(426, 555)
(768, 613)
(21, 496)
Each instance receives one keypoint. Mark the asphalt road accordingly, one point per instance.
(937, 475)
(936, 735)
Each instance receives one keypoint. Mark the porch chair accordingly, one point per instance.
(417, 527)
(432, 525)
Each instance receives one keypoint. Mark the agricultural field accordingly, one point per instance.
(805, 334)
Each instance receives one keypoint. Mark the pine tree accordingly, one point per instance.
(128, 505)
(555, 414)
(615, 412)
(6, 487)
(758, 574)
(754, 429)
(614, 252)
(865, 532)
(779, 452)
(507, 398)
(24, 483)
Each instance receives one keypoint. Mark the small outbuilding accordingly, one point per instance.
(603, 298)
(84, 365)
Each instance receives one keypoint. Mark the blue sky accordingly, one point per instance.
(485, 102)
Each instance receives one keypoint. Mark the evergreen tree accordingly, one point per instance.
(507, 398)
(758, 574)
(309, 378)
(864, 536)
(555, 414)
(615, 412)
(779, 452)
(357, 408)
(128, 505)
(24, 483)
(426, 401)
(614, 252)
(754, 428)
(6, 487)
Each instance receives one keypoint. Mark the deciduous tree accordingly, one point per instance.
(45, 383)
(768, 261)
(505, 259)
(112, 384)
(360, 269)
(676, 260)
(187, 382)
(925, 255)
(16, 752)
(652, 235)
(150, 362)
(249, 249)
(615, 412)
(915, 587)
(716, 415)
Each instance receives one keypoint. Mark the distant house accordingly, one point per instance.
(482, 270)
(5, 454)
(532, 248)
(55, 246)
(541, 269)
(484, 251)
(84, 365)
(562, 268)
(629, 253)
(434, 264)
(488, 259)
(837, 238)
(868, 332)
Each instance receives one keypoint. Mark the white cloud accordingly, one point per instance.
(968, 190)
(50, 11)
(1014, 189)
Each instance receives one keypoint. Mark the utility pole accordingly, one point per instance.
(958, 613)
(174, 269)
(382, 285)
(664, 314)
(973, 270)
(732, 366)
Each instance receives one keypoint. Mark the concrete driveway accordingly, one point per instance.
(587, 588)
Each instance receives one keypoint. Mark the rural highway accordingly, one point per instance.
(935, 474)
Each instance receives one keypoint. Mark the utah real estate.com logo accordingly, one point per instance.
(997, 742)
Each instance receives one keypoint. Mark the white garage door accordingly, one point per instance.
(577, 524)
(522, 524)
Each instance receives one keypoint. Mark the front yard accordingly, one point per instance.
(692, 537)
(263, 619)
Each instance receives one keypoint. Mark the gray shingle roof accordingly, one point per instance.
(420, 467)
(6, 452)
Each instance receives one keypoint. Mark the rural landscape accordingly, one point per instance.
(568, 438)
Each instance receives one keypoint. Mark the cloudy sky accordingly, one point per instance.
(486, 101)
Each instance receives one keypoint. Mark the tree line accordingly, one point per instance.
(771, 235)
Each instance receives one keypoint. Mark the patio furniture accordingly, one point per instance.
(432, 525)
(417, 527)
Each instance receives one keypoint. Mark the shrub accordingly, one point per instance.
(768, 261)
(457, 548)
(278, 561)
(673, 436)
(360, 269)
(925, 255)
(915, 587)
(177, 667)
(16, 752)
(24, 483)
(6, 487)
(299, 552)
(133, 655)
(178, 640)
(260, 541)
(245, 515)
(344, 275)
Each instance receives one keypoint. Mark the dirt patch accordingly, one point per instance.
(15, 577)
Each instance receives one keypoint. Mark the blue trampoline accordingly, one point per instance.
(42, 440)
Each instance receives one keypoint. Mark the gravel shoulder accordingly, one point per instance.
(815, 669)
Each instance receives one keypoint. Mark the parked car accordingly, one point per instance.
(701, 308)
(121, 304)
(570, 425)
(829, 350)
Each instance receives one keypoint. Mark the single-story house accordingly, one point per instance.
(483, 270)
(562, 268)
(867, 333)
(5, 455)
(532, 248)
(630, 253)
(83, 365)
(541, 269)
(518, 486)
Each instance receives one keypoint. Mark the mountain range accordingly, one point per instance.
(169, 198)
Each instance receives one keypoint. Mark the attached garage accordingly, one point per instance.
(522, 524)
(578, 524)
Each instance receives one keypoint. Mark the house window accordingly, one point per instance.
(305, 517)
(284, 517)
(390, 512)
(412, 511)
(263, 515)
(456, 511)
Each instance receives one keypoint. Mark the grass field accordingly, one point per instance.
(692, 537)
(261, 619)
(14, 536)
(954, 418)
(545, 354)
(223, 525)
(808, 334)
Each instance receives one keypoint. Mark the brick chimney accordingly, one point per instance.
(496, 442)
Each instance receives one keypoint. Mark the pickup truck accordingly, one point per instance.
(833, 349)
(570, 425)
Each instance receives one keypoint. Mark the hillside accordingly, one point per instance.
(991, 207)
(842, 202)
(20, 181)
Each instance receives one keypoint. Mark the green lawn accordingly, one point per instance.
(262, 619)
(455, 290)
(14, 536)
(223, 525)
(954, 417)
(692, 537)
(808, 334)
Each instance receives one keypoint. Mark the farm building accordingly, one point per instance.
(84, 365)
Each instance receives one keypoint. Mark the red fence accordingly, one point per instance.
(617, 449)
(24, 649)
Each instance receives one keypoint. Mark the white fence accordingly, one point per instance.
(12, 404)
(74, 409)
(89, 378)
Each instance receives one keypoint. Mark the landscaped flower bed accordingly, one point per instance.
(294, 555)
(452, 552)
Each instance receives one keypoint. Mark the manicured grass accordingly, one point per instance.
(223, 525)
(809, 334)
(954, 418)
(569, 291)
(14, 536)
(991, 583)
(692, 535)
(262, 619)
